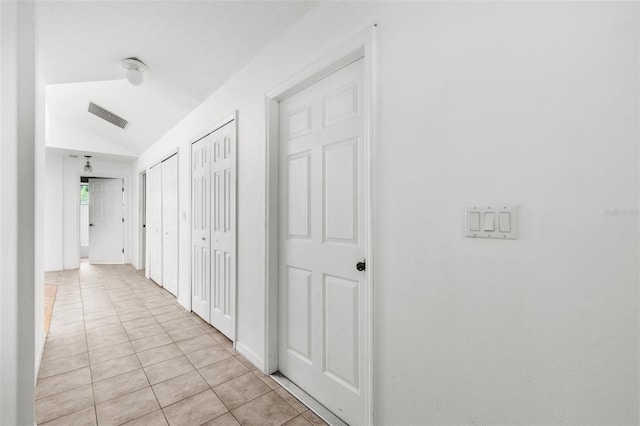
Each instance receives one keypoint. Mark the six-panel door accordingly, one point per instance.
(322, 238)
(106, 212)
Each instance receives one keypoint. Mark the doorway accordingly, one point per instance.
(106, 221)
(319, 224)
(101, 220)
(84, 218)
(142, 254)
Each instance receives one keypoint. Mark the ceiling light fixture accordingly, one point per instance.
(88, 167)
(135, 67)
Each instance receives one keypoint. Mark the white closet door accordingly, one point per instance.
(106, 227)
(223, 245)
(201, 228)
(154, 224)
(322, 314)
(170, 224)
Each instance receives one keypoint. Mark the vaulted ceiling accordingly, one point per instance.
(190, 47)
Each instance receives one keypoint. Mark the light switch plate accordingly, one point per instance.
(503, 225)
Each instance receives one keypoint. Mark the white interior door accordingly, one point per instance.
(170, 224)
(154, 223)
(322, 323)
(223, 235)
(106, 216)
(143, 214)
(201, 228)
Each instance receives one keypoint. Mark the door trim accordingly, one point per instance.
(142, 219)
(362, 46)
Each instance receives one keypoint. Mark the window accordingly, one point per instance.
(84, 194)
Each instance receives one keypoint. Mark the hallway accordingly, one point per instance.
(121, 350)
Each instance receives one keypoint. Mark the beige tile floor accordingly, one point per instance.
(120, 350)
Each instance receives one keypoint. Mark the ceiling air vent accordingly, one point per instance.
(108, 115)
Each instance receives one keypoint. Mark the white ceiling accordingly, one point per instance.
(190, 47)
(78, 155)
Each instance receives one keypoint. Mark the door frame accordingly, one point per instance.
(125, 207)
(362, 46)
(142, 220)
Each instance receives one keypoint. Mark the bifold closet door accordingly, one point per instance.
(154, 223)
(223, 229)
(170, 224)
(213, 186)
(201, 228)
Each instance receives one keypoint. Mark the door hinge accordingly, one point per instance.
(122, 189)
(123, 251)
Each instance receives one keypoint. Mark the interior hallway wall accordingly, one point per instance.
(529, 104)
(53, 228)
(19, 243)
(62, 135)
(39, 193)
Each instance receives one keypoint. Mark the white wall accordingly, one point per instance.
(62, 135)
(18, 158)
(40, 214)
(534, 104)
(53, 228)
(62, 238)
(84, 230)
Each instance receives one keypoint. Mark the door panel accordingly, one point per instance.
(201, 228)
(298, 312)
(299, 195)
(223, 235)
(341, 192)
(340, 312)
(322, 237)
(154, 224)
(170, 224)
(106, 213)
(143, 241)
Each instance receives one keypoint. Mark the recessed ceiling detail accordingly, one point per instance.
(107, 115)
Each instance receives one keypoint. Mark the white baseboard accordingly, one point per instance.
(55, 268)
(250, 355)
(184, 303)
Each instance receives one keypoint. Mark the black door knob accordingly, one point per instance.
(361, 266)
(91, 224)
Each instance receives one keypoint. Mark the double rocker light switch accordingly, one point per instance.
(491, 222)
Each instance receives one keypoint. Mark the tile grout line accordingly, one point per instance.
(203, 327)
(136, 353)
(93, 393)
(90, 374)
